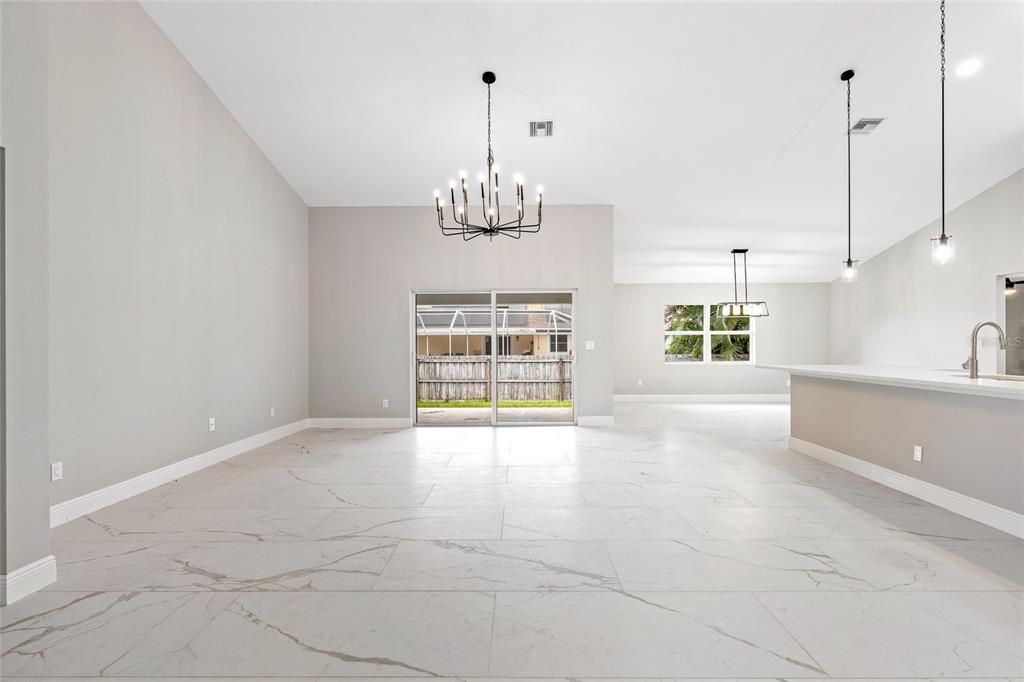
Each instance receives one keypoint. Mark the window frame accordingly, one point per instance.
(706, 333)
(554, 343)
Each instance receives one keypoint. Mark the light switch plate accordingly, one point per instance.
(589, 345)
(918, 453)
(213, 424)
(384, 402)
(56, 471)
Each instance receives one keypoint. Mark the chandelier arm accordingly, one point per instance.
(497, 197)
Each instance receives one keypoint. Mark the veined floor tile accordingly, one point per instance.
(865, 495)
(541, 457)
(343, 496)
(506, 495)
(642, 635)
(353, 564)
(891, 634)
(505, 564)
(448, 475)
(702, 566)
(155, 634)
(942, 565)
(780, 523)
(180, 496)
(661, 495)
(412, 524)
(251, 524)
(108, 566)
(595, 523)
(685, 542)
(104, 525)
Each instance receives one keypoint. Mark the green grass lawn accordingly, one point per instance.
(503, 403)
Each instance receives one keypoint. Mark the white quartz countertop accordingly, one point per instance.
(947, 380)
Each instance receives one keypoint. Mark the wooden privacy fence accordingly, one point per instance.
(446, 378)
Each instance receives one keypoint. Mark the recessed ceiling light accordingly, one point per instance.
(968, 67)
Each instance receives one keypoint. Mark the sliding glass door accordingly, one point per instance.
(453, 358)
(493, 357)
(534, 373)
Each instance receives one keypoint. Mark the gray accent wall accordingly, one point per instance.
(796, 332)
(365, 261)
(157, 263)
(906, 311)
(26, 501)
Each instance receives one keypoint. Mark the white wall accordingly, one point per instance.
(176, 262)
(906, 311)
(365, 261)
(795, 332)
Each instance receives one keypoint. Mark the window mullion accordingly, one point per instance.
(707, 333)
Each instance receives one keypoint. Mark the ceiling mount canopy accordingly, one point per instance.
(849, 271)
(746, 307)
(490, 198)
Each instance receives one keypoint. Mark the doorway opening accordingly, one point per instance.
(493, 357)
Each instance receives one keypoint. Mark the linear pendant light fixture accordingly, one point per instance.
(943, 250)
(746, 307)
(490, 198)
(849, 271)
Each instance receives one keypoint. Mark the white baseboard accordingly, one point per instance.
(600, 420)
(104, 497)
(701, 398)
(958, 503)
(27, 579)
(360, 422)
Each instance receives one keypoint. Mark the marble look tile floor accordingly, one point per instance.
(685, 542)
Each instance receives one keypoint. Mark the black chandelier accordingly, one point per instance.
(490, 198)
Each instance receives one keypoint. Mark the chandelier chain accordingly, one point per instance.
(490, 154)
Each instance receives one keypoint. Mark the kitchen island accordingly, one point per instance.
(870, 420)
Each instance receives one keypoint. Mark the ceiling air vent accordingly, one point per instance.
(542, 128)
(865, 126)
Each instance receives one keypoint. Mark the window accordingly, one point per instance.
(559, 343)
(696, 333)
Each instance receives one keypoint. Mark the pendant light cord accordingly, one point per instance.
(849, 184)
(746, 288)
(942, 97)
(735, 286)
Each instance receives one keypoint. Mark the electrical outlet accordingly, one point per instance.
(273, 411)
(918, 453)
(589, 345)
(639, 382)
(213, 424)
(56, 471)
(384, 403)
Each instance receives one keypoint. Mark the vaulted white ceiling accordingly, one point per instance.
(707, 125)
